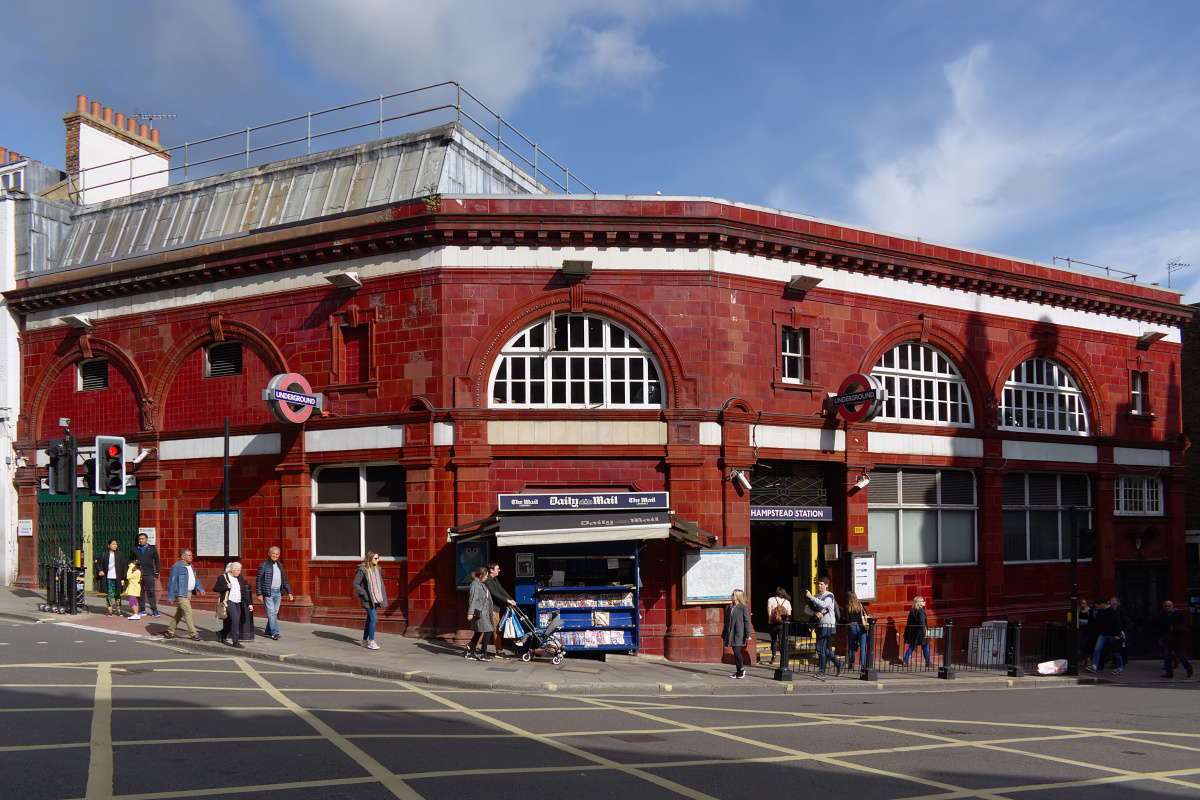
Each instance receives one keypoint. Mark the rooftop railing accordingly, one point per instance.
(341, 126)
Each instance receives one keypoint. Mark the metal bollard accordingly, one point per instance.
(946, 671)
(1015, 670)
(784, 672)
(868, 671)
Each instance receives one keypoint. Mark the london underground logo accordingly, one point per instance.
(859, 398)
(290, 398)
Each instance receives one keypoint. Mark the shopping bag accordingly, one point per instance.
(518, 630)
(1056, 667)
(509, 627)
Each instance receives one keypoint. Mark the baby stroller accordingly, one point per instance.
(541, 642)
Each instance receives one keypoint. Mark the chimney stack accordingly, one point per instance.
(111, 137)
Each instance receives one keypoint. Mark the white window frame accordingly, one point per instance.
(1064, 549)
(361, 506)
(1136, 496)
(899, 507)
(1052, 398)
(920, 396)
(1139, 392)
(530, 363)
(79, 374)
(794, 353)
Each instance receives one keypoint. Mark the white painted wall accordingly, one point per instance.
(135, 170)
(10, 395)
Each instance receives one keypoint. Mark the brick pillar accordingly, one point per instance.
(426, 538)
(295, 536)
(472, 499)
(1105, 580)
(152, 507)
(989, 526)
(27, 490)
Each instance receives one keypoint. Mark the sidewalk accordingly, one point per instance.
(440, 663)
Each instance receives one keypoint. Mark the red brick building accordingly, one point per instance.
(526, 344)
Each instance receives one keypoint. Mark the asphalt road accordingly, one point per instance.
(96, 715)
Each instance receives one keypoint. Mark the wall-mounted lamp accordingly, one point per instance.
(862, 482)
(21, 462)
(740, 477)
(140, 457)
(345, 280)
(577, 270)
(77, 321)
(802, 284)
(1150, 337)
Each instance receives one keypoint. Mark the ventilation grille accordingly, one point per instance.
(93, 375)
(225, 359)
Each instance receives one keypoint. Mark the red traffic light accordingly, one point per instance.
(113, 450)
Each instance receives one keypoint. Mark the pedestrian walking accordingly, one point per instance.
(916, 632)
(182, 583)
(479, 614)
(233, 592)
(1108, 630)
(1084, 618)
(856, 630)
(133, 587)
(500, 601)
(146, 555)
(368, 588)
(1171, 627)
(824, 607)
(778, 607)
(737, 631)
(111, 566)
(271, 584)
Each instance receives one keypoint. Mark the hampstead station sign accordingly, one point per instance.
(590, 501)
(791, 513)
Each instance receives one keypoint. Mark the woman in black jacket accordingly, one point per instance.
(914, 631)
(234, 592)
(737, 630)
(111, 567)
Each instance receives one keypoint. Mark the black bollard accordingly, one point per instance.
(1015, 670)
(246, 630)
(946, 671)
(868, 671)
(783, 672)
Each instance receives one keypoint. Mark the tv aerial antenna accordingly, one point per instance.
(1175, 265)
(152, 117)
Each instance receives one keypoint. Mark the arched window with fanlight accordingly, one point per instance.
(1042, 395)
(575, 361)
(923, 387)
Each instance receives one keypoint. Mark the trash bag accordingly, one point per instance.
(1056, 667)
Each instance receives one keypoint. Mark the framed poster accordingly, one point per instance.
(862, 574)
(524, 565)
(210, 534)
(468, 557)
(710, 576)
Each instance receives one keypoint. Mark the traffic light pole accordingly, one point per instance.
(72, 471)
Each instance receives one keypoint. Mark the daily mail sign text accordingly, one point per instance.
(591, 501)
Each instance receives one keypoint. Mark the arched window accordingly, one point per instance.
(575, 361)
(1042, 396)
(923, 386)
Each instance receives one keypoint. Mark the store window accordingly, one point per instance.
(1042, 395)
(1037, 515)
(575, 361)
(795, 355)
(1139, 392)
(1139, 496)
(357, 508)
(222, 360)
(918, 516)
(923, 386)
(93, 375)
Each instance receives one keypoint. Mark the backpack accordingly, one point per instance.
(840, 613)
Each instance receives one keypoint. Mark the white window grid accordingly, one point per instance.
(1139, 392)
(1042, 395)
(1083, 519)
(795, 356)
(923, 386)
(575, 361)
(362, 506)
(1137, 496)
(899, 506)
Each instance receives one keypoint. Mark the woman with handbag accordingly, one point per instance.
(856, 629)
(235, 600)
(479, 614)
(915, 634)
(778, 607)
(737, 630)
(368, 588)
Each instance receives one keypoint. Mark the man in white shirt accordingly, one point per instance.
(182, 584)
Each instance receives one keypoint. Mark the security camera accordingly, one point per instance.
(862, 482)
(740, 477)
(140, 457)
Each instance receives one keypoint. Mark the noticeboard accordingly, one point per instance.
(210, 534)
(710, 576)
(862, 572)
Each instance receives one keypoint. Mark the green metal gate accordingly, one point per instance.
(111, 517)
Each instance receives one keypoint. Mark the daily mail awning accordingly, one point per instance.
(528, 529)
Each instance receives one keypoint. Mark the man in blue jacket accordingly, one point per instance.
(271, 584)
(182, 584)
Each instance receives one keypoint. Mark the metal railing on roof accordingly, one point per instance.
(1129, 276)
(341, 126)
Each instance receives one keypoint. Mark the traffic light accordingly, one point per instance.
(62, 467)
(110, 465)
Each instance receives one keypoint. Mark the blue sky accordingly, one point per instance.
(1034, 129)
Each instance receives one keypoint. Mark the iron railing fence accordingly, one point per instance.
(342, 126)
(975, 648)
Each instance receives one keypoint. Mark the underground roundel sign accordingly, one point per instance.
(291, 398)
(859, 398)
